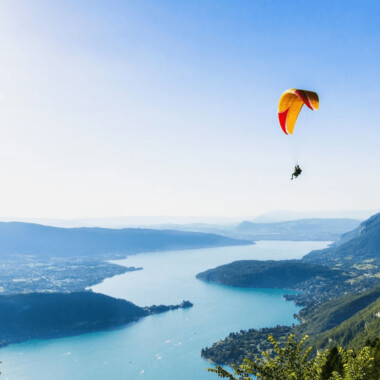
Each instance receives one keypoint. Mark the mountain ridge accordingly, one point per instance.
(359, 245)
(300, 229)
(36, 239)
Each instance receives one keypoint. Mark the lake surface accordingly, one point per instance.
(165, 346)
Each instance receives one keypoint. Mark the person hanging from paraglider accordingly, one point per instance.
(297, 171)
(289, 107)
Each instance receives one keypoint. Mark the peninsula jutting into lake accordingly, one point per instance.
(54, 315)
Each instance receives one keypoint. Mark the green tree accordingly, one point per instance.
(375, 345)
(334, 362)
(293, 362)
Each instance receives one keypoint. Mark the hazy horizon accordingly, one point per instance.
(176, 220)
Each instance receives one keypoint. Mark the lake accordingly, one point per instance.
(165, 346)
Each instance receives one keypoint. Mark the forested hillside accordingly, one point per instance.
(334, 312)
(354, 332)
(342, 301)
(267, 274)
(44, 315)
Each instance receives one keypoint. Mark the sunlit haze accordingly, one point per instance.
(116, 108)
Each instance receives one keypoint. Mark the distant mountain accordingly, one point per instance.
(303, 229)
(360, 246)
(35, 239)
(266, 274)
(53, 315)
(126, 221)
(286, 215)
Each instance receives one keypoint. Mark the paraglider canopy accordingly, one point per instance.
(290, 104)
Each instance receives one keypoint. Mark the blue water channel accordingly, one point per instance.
(165, 346)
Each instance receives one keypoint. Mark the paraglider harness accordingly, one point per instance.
(297, 171)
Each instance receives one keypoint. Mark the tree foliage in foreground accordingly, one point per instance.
(293, 362)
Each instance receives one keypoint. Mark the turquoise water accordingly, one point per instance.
(165, 346)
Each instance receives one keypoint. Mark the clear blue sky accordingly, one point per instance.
(170, 107)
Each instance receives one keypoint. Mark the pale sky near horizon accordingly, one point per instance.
(169, 107)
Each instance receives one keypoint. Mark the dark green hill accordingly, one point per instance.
(302, 229)
(358, 247)
(36, 239)
(266, 274)
(44, 315)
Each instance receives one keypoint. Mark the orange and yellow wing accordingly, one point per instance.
(290, 104)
